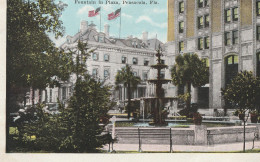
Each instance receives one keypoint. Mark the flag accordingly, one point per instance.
(114, 15)
(94, 12)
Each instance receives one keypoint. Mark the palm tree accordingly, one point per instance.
(126, 77)
(189, 70)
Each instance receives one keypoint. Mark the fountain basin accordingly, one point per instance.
(161, 81)
(159, 66)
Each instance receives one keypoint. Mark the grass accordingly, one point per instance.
(125, 124)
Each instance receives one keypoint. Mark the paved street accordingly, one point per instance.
(219, 147)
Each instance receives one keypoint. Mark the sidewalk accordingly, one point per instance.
(205, 148)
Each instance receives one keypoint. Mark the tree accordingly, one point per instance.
(189, 70)
(30, 52)
(126, 77)
(29, 49)
(244, 94)
(76, 128)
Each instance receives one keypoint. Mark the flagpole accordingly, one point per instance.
(100, 20)
(120, 22)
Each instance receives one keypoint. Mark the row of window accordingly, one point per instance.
(230, 37)
(201, 3)
(107, 74)
(123, 59)
(203, 22)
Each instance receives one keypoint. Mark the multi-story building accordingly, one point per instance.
(109, 56)
(225, 32)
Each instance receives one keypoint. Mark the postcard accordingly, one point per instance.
(122, 77)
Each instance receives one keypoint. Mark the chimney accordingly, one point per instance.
(145, 36)
(83, 25)
(106, 30)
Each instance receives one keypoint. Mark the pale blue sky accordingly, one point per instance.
(135, 19)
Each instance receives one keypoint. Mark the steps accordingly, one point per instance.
(153, 136)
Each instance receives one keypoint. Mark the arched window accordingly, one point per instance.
(231, 68)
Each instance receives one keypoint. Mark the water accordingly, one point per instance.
(147, 124)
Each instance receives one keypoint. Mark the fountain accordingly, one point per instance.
(158, 114)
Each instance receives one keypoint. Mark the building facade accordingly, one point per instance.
(109, 56)
(225, 32)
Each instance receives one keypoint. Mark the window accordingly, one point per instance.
(206, 42)
(106, 73)
(181, 46)
(146, 62)
(235, 37)
(94, 72)
(200, 3)
(95, 56)
(235, 14)
(135, 73)
(181, 27)
(206, 3)
(206, 20)
(227, 38)
(162, 61)
(145, 76)
(200, 22)
(106, 57)
(135, 61)
(258, 33)
(206, 61)
(200, 43)
(134, 44)
(101, 39)
(123, 59)
(258, 8)
(228, 15)
(181, 7)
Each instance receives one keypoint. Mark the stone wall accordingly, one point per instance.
(195, 135)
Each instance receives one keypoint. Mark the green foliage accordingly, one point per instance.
(76, 128)
(28, 45)
(82, 52)
(243, 92)
(32, 58)
(126, 77)
(189, 70)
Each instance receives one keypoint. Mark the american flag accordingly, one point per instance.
(114, 15)
(94, 12)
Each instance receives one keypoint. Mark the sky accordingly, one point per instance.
(136, 18)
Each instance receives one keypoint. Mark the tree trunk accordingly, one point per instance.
(188, 102)
(129, 100)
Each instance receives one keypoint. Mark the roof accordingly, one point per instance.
(91, 34)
